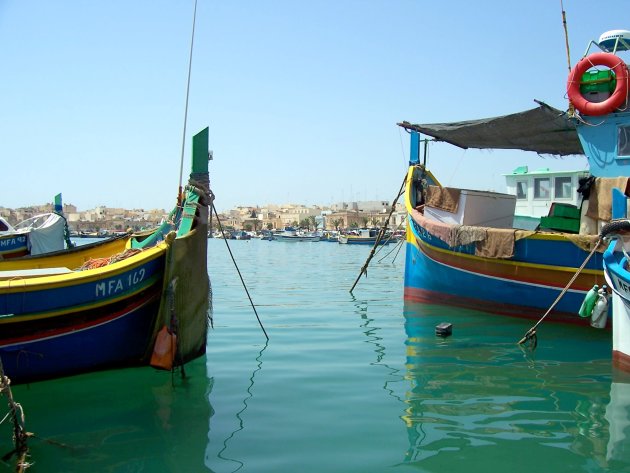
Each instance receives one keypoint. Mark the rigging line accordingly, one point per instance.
(241, 421)
(566, 41)
(238, 270)
(402, 243)
(531, 333)
(381, 233)
(391, 235)
(181, 164)
(398, 244)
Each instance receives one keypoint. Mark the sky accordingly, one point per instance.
(301, 98)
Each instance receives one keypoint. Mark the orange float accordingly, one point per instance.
(616, 98)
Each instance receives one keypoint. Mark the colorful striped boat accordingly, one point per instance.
(470, 254)
(462, 247)
(135, 300)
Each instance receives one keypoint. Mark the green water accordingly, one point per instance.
(346, 383)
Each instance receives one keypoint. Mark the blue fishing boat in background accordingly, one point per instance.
(365, 236)
(37, 235)
(134, 300)
(462, 245)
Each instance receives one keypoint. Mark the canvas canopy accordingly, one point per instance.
(45, 233)
(544, 130)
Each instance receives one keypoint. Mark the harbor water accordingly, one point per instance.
(346, 383)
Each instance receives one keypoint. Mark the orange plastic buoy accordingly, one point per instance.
(164, 349)
(616, 98)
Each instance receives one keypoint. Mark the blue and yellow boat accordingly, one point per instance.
(135, 300)
(462, 246)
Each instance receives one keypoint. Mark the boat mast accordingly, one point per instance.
(181, 165)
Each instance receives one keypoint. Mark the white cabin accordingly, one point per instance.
(535, 191)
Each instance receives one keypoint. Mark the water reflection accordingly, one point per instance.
(479, 389)
(134, 419)
(372, 333)
(232, 464)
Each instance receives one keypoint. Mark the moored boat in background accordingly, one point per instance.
(365, 236)
(291, 234)
(37, 235)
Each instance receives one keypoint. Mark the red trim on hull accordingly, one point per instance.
(549, 276)
(101, 319)
(511, 310)
(621, 361)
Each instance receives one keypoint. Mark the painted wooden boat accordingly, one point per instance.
(113, 303)
(462, 246)
(40, 234)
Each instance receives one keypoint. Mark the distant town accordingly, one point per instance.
(344, 215)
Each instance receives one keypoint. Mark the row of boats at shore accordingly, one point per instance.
(363, 236)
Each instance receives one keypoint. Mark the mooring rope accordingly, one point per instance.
(531, 333)
(20, 435)
(238, 270)
(380, 234)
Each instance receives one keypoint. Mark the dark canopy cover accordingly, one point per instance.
(544, 130)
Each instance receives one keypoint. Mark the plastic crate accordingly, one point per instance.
(564, 210)
(597, 82)
(561, 224)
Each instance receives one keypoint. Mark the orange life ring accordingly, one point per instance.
(616, 98)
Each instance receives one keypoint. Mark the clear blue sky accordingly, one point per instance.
(302, 98)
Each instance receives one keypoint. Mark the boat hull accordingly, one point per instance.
(13, 246)
(96, 340)
(525, 285)
(103, 305)
(344, 240)
(296, 238)
(618, 279)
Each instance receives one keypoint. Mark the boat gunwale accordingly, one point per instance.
(19, 284)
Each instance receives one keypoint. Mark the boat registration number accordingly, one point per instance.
(118, 285)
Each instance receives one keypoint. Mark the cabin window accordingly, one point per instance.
(3, 226)
(542, 186)
(623, 141)
(521, 190)
(563, 187)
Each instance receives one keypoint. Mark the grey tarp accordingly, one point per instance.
(544, 130)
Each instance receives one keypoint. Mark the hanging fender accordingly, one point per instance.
(616, 98)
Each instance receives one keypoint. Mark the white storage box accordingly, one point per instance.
(486, 209)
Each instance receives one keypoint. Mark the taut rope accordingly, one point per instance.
(531, 333)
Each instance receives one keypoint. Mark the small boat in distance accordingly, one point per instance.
(134, 300)
(365, 236)
(291, 234)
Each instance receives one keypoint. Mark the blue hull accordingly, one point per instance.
(119, 340)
